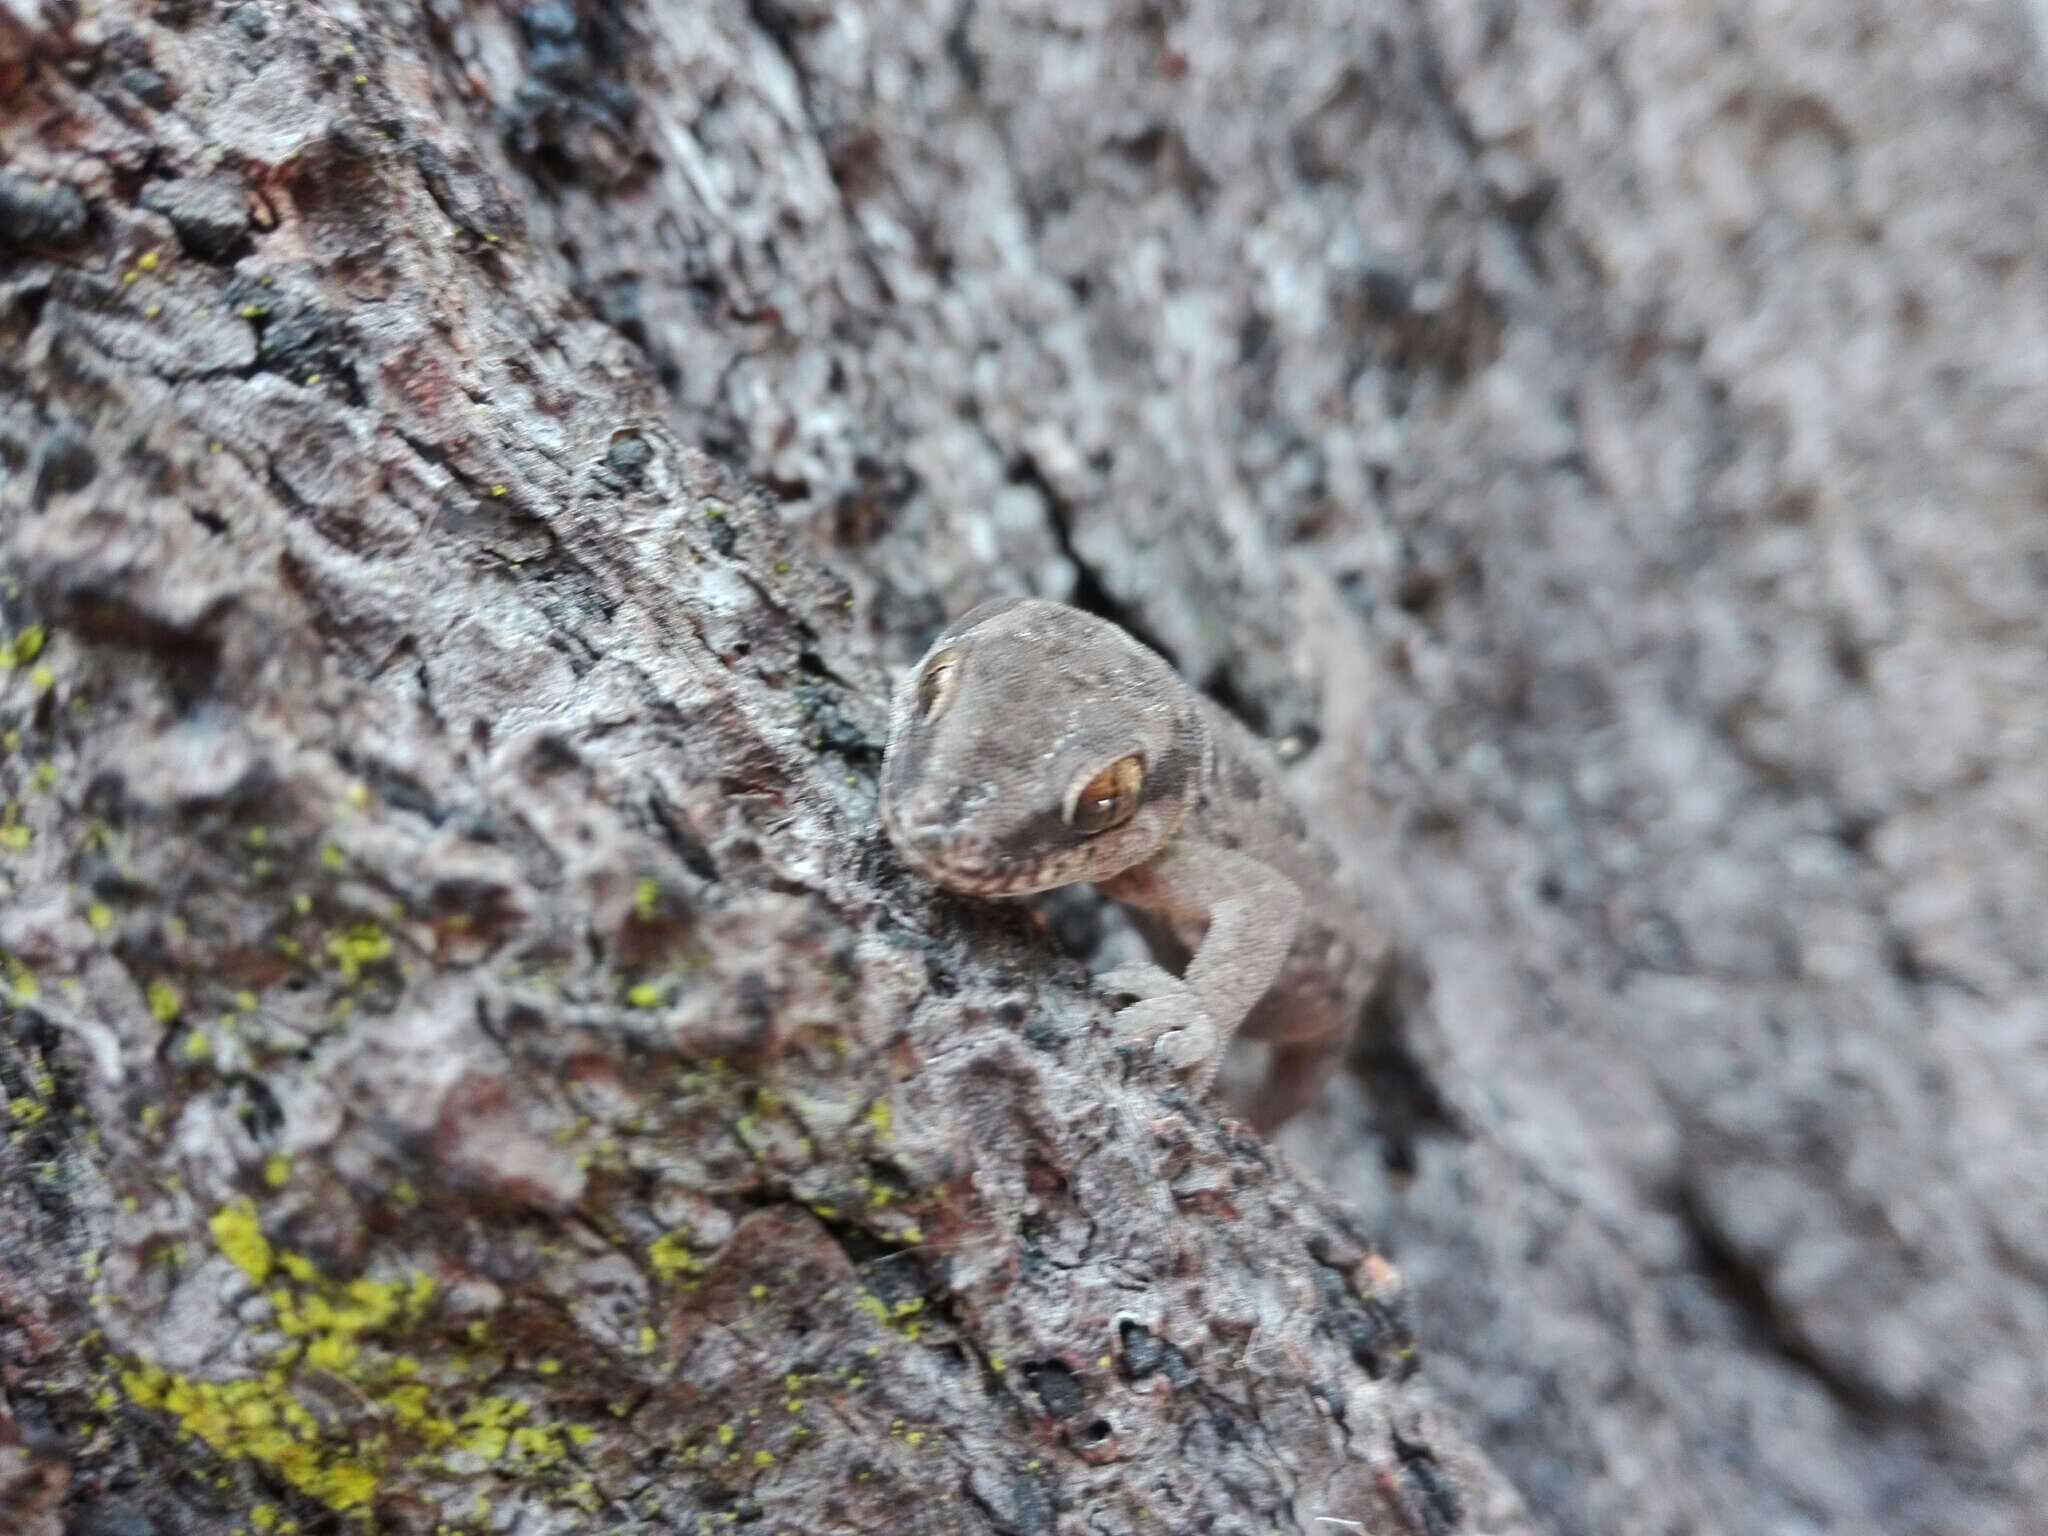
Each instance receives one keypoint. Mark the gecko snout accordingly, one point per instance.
(939, 834)
(928, 816)
(931, 838)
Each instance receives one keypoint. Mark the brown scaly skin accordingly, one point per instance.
(1001, 739)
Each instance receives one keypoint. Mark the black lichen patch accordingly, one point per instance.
(1431, 1492)
(626, 460)
(617, 301)
(296, 337)
(1058, 1388)
(1146, 1354)
(63, 463)
(1376, 1338)
(210, 216)
(571, 117)
(40, 213)
(829, 729)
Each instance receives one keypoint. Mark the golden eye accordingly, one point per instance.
(1110, 798)
(936, 686)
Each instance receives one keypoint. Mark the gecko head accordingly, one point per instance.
(1035, 746)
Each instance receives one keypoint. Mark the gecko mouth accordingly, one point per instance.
(972, 866)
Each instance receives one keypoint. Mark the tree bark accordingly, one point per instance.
(472, 1060)
(472, 1063)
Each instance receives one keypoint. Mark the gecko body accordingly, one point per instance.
(1036, 746)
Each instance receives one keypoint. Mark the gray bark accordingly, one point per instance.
(471, 1062)
(471, 470)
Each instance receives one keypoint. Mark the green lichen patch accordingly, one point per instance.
(408, 1423)
(24, 648)
(357, 946)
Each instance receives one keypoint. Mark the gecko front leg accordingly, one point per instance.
(1246, 913)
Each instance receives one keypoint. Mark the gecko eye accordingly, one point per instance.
(1109, 799)
(935, 687)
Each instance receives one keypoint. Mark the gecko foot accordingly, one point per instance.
(1174, 1024)
(1138, 978)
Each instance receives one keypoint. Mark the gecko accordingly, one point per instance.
(1036, 745)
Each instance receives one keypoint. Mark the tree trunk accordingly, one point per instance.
(473, 1062)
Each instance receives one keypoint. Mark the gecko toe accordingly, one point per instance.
(1182, 1049)
(1138, 978)
(1180, 1034)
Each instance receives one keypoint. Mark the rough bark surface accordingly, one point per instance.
(440, 835)
(471, 1063)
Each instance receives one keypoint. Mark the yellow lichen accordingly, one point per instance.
(332, 1327)
(299, 1267)
(258, 1419)
(239, 1235)
(21, 981)
(24, 648)
(670, 1256)
(358, 946)
(165, 1001)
